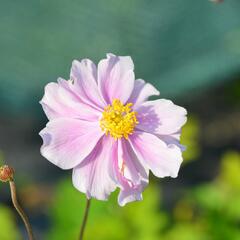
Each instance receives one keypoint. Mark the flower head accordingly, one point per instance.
(102, 126)
(6, 173)
(118, 120)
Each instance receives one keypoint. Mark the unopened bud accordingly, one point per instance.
(6, 173)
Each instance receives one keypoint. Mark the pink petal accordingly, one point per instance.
(116, 78)
(128, 195)
(173, 139)
(60, 101)
(92, 176)
(129, 164)
(161, 117)
(128, 174)
(162, 159)
(141, 92)
(84, 75)
(66, 142)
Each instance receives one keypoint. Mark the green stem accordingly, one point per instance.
(84, 222)
(20, 210)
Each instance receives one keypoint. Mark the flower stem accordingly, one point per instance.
(20, 210)
(85, 219)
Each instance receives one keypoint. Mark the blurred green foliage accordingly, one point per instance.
(8, 229)
(190, 137)
(209, 211)
(206, 211)
(218, 203)
(230, 170)
(107, 220)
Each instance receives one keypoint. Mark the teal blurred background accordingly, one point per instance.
(189, 49)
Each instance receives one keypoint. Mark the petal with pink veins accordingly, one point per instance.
(92, 176)
(129, 164)
(129, 174)
(84, 76)
(160, 117)
(172, 139)
(141, 92)
(128, 195)
(116, 78)
(162, 159)
(66, 141)
(60, 101)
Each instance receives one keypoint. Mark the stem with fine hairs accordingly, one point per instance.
(20, 210)
(85, 219)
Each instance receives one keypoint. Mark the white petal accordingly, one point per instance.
(60, 101)
(84, 75)
(92, 176)
(161, 117)
(66, 142)
(116, 78)
(129, 164)
(141, 92)
(128, 173)
(161, 159)
(130, 195)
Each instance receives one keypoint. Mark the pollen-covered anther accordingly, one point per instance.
(118, 119)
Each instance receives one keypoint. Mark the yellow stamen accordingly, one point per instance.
(118, 120)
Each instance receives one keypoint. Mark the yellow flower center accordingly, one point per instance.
(118, 120)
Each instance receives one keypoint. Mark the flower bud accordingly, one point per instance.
(6, 173)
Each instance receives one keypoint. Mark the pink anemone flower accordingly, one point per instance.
(102, 126)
